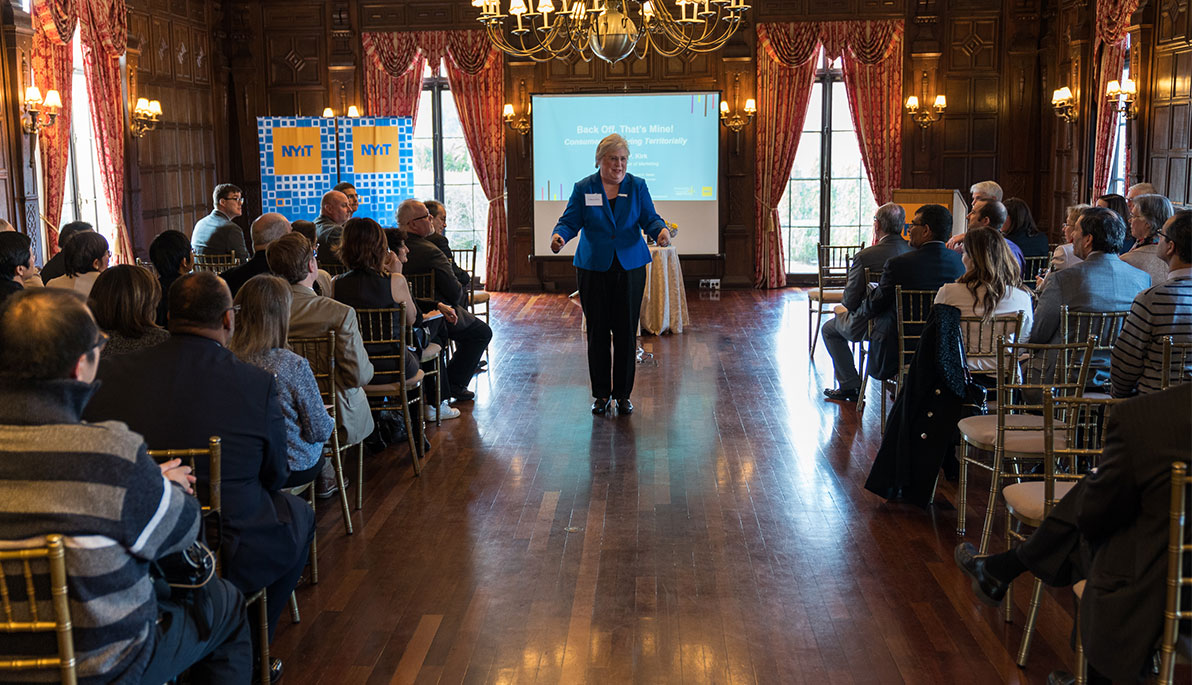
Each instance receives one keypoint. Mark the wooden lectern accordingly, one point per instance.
(912, 199)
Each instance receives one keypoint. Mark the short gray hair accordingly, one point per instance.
(1073, 212)
(1156, 209)
(891, 218)
(989, 188)
(405, 211)
(611, 142)
(1143, 188)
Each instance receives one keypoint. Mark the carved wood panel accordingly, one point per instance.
(1170, 121)
(294, 60)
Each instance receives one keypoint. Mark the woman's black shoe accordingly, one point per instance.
(600, 406)
(624, 406)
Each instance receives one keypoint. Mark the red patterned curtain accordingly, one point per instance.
(1113, 23)
(52, 60)
(104, 38)
(873, 80)
(393, 68)
(476, 73)
(785, 71)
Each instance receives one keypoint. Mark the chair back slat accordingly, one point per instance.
(1021, 386)
(422, 286)
(1034, 266)
(1179, 572)
(981, 337)
(209, 491)
(1177, 363)
(1106, 326)
(334, 269)
(913, 307)
(385, 338)
(215, 262)
(319, 352)
(834, 262)
(38, 557)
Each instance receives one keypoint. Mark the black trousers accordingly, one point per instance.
(209, 635)
(471, 336)
(612, 303)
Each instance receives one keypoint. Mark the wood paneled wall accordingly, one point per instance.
(18, 180)
(171, 170)
(1168, 150)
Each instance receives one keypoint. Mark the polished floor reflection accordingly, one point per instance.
(720, 534)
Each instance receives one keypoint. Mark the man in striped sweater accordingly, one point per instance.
(1162, 310)
(95, 484)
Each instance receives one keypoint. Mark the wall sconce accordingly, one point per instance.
(521, 124)
(1064, 104)
(145, 117)
(733, 120)
(33, 105)
(1121, 97)
(923, 116)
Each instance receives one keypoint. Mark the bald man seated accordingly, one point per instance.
(266, 229)
(336, 210)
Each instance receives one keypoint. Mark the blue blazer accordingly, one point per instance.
(605, 231)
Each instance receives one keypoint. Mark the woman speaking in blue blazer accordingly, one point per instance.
(609, 210)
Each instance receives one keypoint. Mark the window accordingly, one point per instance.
(1118, 173)
(84, 195)
(443, 168)
(828, 198)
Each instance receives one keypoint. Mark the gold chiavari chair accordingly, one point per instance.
(466, 259)
(208, 489)
(334, 269)
(1073, 440)
(912, 309)
(385, 335)
(832, 273)
(35, 558)
(1035, 266)
(1179, 573)
(1177, 363)
(1104, 326)
(145, 263)
(215, 262)
(319, 352)
(1014, 434)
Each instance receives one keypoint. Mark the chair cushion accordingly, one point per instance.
(829, 295)
(383, 389)
(981, 432)
(431, 351)
(1093, 395)
(1025, 500)
(479, 296)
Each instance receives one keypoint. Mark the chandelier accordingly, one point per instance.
(609, 29)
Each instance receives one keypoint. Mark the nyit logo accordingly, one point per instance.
(378, 149)
(296, 150)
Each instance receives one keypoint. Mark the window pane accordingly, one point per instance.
(846, 155)
(842, 119)
(815, 109)
(807, 158)
(799, 211)
(424, 149)
(451, 127)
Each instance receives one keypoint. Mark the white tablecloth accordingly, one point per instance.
(664, 304)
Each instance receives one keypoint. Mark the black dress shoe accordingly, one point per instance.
(841, 394)
(601, 405)
(624, 406)
(988, 589)
(462, 394)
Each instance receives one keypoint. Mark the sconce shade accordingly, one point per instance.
(33, 96)
(508, 111)
(328, 112)
(155, 107)
(941, 102)
(1128, 87)
(353, 111)
(912, 102)
(750, 106)
(724, 106)
(517, 7)
(53, 100)
(142, 106)
(1061, 95)
(1113, 89)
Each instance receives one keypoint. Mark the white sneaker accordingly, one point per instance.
(446, 411)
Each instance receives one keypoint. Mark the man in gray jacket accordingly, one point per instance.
(216, 233)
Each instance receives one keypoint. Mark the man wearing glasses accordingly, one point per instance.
(216, 233)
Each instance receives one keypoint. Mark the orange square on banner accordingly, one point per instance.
(296, 151)
(374, 150)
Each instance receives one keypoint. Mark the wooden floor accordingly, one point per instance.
(720, 534)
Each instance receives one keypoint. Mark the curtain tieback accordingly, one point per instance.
(767, 224)
(499, 198)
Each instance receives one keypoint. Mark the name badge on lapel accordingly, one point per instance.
(593, 200)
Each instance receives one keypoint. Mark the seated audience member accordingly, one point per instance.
(334, 211)
(265, 229)
(349, 192)
(16, 260)
(927, 267)
(1137, 189)
(180, 393)
(986, 190)
(32, 276)
(124, 301)
(262, 325)
(1021, 230)
(1100, 283)
(1163, 310)
(216, 233)
(375, 281)
(322, 284)
(172, 256)
(438, 221)
(839, 331)
(1111, 530)
(1064, 255)
(1119, 205)
(292, 258)
(306, 229)
(1148, 216)
(471, 335)
(135, 512)
(987, 214)
(991, 286)
(85, 257)
(57, 265)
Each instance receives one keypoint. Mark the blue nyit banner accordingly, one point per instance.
(304, 157)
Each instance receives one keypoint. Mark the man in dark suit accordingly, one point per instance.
(927, 267)
(189, 388)
(1111, 529)
(838, 332)
(471, 335)
(438, 221)
(266, 229)
(216, 233)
